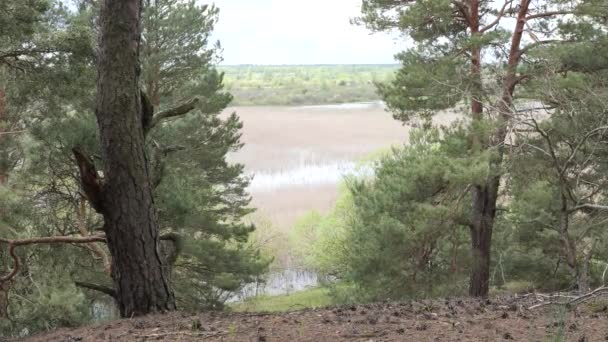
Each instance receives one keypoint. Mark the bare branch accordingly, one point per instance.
(575, 300)
(12, 244)
(182, 109)
(538, 43)
(93, 247)
(18, 53)
(13, 132)
(548, 14)
(581, 143)
(498, 17)
(589, 206)
(103, 289)
(462, 7)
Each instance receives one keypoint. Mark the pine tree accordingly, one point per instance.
(200, 194)
(202, 198)
(30, 42)
(410, 212)
(452, 40)
(560, 168)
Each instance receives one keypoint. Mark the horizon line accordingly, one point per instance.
(314, 64)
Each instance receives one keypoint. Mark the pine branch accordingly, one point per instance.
(18, 53)
(462, 7)
(548, 14)
(589, 206)
(100, 288)
(93, 247)
(538, 43)
(12, 244)
(500, 15)
(13, 132)
(182, 109)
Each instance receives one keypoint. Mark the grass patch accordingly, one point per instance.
(512, 287)
(313, 298)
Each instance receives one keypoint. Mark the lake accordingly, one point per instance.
(297, 156)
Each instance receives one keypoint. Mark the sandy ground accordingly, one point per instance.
(501, 319)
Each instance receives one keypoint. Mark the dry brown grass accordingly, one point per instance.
(279, 139)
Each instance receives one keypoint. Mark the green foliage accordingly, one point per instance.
(200, 196)
(320, 241)
(391, 236)
(410, 212)
(313, 298)
(305, 233)
(463, 52)
(423, 83)
(55, 302)
(399, 234)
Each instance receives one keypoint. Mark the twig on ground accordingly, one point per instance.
(574, 300)
(183, 333)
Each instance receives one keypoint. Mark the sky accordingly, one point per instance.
(299, 32)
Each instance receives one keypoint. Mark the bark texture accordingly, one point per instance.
(127, 204)
(485, 195)
(4, 286)
(3, 129)
(484, 200)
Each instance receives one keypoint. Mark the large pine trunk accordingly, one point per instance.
(484, 204)
(131, 225)
(485, 195)
(482, 224)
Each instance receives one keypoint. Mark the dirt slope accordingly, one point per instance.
(446, 320)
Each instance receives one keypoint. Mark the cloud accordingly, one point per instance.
(299, 32)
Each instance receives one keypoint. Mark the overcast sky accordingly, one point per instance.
(299, 32)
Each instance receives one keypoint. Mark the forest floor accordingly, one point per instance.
(499, 319)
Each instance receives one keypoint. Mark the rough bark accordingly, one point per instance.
(485, 196)
(3, 172)
(484, 199)
(579, 266)
(482, 224)
(567, 245)
(4, 287)
(130, 217)
(583, 274)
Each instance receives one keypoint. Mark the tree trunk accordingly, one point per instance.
(583, 277)
(482, 223)
(131, 222)
(587, 253)
(567, 245)
(485, 195)
(4, 286)
(3, 128)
